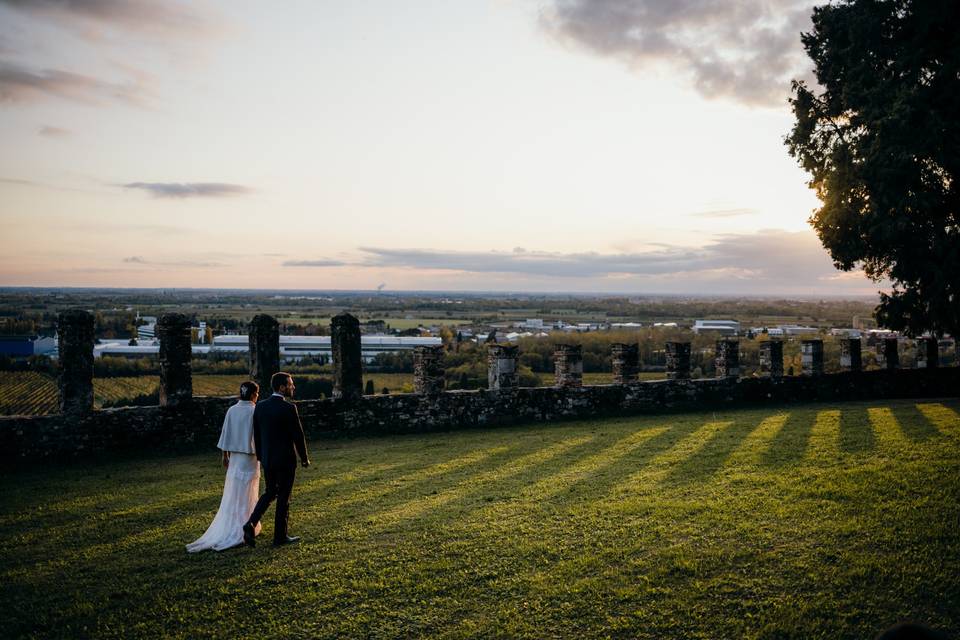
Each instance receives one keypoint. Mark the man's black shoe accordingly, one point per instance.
(249, 535)
(286, 540)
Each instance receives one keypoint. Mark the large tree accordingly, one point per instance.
(880, 138)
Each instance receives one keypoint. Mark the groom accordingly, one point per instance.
(278, 440)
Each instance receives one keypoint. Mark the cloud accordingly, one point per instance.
(746, 51)
(315, 263)
(190, 189)
(29, 183)
(48, 131)
(767, 260)
(200, 264)
(20, 85)
(144, 16)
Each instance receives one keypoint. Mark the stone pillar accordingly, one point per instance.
(771, 358)
(727, 359)
(176, 373)
(811, 357)
(502, 370)
(890, 352)
(428, 369)
(678, 360)
(264, 341)
(626, 362)
(928, 353)
(347, 359)
(568, 360)
(75, 337)
(850, 357)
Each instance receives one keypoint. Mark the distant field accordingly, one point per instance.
(29, 393)
(395, 323)
(813, 522)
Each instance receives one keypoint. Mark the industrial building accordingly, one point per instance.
(292, 348)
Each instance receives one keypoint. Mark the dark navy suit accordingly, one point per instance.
(278, 439)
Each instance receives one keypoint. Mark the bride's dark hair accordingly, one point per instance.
(248, 389)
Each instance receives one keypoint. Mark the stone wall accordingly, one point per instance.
(197, 423)
(182, 419)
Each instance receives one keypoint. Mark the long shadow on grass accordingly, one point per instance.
(500, 482)
(599, 484)
(387, 498)
(913, 423)
(856, 432)
(707, 460)
(790, 443)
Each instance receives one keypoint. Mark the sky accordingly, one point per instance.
(631, 146)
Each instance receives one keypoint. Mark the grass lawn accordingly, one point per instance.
(820, 521)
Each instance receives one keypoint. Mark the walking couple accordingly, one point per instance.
(255, 433)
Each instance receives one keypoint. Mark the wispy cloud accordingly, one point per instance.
(315, 263)
(190, 189)
(144, 16)
(198, 264)
(746, 50)
(768, 255)
(765, 262)
(20, 85)
(48, 131)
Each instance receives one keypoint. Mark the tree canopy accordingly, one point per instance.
(880, 137)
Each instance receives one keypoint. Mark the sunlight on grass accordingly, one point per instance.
(659, 467)
(756, 443)
(827, 521)
(419, 506)
(886, 427)
(945, 419)
(313, 484)
(368, 494)
(824, 443)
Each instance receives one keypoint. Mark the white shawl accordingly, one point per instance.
(237, 434)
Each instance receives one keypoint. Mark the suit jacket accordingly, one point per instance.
(278, 434)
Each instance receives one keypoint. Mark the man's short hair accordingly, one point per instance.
(248, 389)
(279, 379)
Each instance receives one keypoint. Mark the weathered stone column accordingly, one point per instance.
(176, 373)
(811, 357)
(891, 353)
(928, 353)
(75, 337)
(727, 360)
(850, 357)
(626, 362)
(568, 360)
(264, 339)
(428, 369)
(502, 370)
(347, 359)
(678, 360)
(771, 358)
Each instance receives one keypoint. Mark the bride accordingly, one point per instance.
(242, 486)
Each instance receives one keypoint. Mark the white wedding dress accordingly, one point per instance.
(241, 488)
(240, 492)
